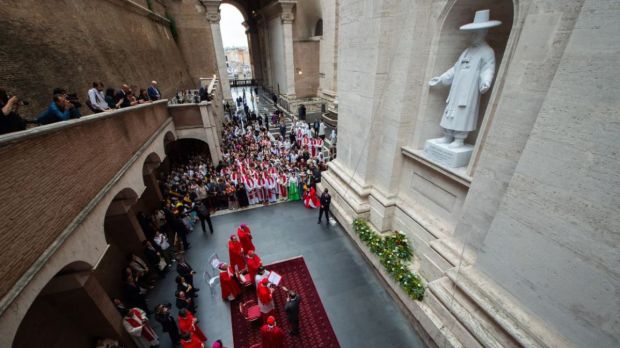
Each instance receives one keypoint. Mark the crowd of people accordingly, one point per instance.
(66, 106)
(257, 168)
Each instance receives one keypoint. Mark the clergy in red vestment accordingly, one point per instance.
(190, 341)
(187, 324)
(311, 201)
(230, 288)
(253, 262)
(137, 325)
(245, 237)
(235, 252)
(272, 336)
(265, 298)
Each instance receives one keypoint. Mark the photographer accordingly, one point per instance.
(59, 110)
(74, 112)
(10, 121)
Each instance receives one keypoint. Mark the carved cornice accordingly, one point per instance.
(213, 10)
(287, 13)
(285, 9)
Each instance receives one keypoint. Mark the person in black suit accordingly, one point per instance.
(168, 324)
(292, 310)
(133, 296)
(153, 91)
(123, 98)
(184, 301)
(204, 215)
(186, 271)
(326, 200)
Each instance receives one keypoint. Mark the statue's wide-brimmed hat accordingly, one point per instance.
(481, 21)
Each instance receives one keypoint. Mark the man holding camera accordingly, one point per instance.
(59, 110)
(10, 121)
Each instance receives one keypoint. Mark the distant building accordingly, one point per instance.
(238, 63)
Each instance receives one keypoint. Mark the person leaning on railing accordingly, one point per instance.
(10, 121)
(59, 110)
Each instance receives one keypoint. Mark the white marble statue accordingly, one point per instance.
(471, 76)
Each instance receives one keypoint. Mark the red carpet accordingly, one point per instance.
(315, 329)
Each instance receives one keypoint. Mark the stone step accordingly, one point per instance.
(442, 327)
(520, 327)
(470, 315)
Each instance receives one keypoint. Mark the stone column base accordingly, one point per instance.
(348, 202)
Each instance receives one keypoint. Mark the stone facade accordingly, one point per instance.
(307, 66)
(519, 248)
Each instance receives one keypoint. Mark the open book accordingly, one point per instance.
(274, 278)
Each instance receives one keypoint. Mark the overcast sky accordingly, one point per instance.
(233, 32)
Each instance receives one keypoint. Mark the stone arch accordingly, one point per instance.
(180, 150)
(124, 237)
(448, 45)
(117, 229)
(168, 138)
(151, 163)
(239, 6)
(151, 197)
(71, 310)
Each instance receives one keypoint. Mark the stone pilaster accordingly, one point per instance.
(287, 15)
(213, 17)
(254, 49)
(263, 37)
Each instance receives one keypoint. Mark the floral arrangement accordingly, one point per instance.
(394, 254)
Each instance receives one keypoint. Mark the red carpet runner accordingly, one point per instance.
(315, 329)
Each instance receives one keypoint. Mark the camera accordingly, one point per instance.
(73, 99)
(19, 101)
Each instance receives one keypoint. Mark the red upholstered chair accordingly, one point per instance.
(256, 345)
(250, 311)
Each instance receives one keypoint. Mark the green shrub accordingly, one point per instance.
(394, 254)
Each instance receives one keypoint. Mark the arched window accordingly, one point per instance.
(318, 28)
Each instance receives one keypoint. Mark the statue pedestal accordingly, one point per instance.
(447, 156)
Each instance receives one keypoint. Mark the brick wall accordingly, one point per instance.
(195, 39)
(47, 179)
(70, 43)
(186, 116)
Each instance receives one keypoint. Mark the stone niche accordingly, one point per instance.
(445, 50)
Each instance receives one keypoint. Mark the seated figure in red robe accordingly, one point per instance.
(187, 324)
(228, 283)
(271, 335)
(235, 252)
(253, 262)
(190, 341)
(245, 237)
(311, 201)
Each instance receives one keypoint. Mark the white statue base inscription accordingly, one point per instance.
(445, 155)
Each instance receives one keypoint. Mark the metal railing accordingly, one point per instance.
(243, 83)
